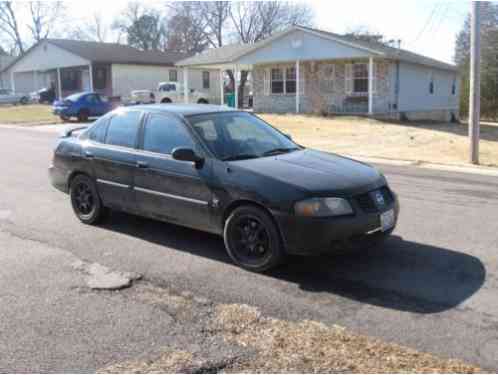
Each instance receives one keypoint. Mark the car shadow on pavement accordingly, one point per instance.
(401, 275)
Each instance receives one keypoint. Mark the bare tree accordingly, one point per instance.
(257, 20)
(98, 29)
(43, 17)
(10, 26)
(216, 14)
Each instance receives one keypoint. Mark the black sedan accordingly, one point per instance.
(226, 172)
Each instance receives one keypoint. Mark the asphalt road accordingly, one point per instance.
(434, 286)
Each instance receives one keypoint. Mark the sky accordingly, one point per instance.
(426, 27)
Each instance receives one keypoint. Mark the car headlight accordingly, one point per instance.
(320, 207)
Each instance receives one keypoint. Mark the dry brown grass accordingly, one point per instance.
(31, 114)
(437, 143)
(310, 347)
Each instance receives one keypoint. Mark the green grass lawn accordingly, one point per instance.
(31, 114)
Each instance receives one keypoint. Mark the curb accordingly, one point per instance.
(479, 170)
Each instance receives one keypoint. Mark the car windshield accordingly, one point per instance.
(240, 135)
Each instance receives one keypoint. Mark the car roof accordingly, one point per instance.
(184, 109)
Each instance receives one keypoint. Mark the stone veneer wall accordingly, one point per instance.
(318, 95)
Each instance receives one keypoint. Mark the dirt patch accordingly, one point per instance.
(308, 346)
(428, 142)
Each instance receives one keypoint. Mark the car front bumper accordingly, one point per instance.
(59, 178)
(306, 235)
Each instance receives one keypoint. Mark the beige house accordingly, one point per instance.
(108, 68)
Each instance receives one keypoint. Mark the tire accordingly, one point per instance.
(88, 210)
(24, 100)
(83, 115)
(252, 239)
(202, 101)
(166, 101)
(64, 118)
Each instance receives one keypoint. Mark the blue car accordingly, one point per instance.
(82, 106)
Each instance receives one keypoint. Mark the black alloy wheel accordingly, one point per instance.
(252, 239)
(85, 200)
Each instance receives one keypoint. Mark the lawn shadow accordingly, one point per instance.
(402, 275)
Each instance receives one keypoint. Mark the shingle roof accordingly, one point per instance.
(98, 52)
(232, 52)
(116, 53)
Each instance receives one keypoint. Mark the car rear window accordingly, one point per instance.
(123, 129)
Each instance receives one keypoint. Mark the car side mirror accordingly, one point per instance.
(187, 154)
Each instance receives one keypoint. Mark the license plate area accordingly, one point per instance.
(387, 220)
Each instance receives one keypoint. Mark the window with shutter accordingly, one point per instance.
(266, 80)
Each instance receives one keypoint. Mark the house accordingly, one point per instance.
(307, 70)
(108, 68)
(5, 60)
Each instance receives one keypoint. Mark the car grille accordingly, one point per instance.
(368, 204)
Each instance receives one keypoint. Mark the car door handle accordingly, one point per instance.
(142, 164)
(88, 155)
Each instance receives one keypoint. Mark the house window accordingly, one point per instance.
(70, 80)
(277, 81)
(205, 80)
(431, 84)
(173, 76)
(100, 78)
(360, 78)
(290, 80)
(327, 77)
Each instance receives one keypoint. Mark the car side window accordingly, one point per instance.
(97, 132)
(92, 99)
(123, 129)
(162, 134)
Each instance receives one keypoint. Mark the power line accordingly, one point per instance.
(435, 9)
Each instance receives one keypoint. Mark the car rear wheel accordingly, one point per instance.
(83, 115)
(24, 100)
(166, 100)
(252, 239)
(202, 101)
(85, 200)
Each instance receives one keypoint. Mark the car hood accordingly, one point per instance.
(317, 172)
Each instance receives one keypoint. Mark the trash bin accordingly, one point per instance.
(230, 100)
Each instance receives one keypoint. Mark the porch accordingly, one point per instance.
(65, 80)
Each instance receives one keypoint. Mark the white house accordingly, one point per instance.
(108, 68)
(308, 70)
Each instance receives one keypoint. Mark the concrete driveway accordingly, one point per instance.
(433, 287)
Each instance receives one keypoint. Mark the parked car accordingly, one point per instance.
(45, 95)
(227, 172)
(172, 92)
(82, 106)
(8, 96)
(142, 97)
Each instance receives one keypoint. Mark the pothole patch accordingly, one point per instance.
(100, 277)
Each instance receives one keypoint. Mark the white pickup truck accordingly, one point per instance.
(172, 92)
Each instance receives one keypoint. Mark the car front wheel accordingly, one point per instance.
(83, 115)
(252, 239)
(85, 200)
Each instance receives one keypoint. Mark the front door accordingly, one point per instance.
(115, 159)
(166, 188)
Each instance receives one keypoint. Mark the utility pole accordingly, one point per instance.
(475, 82)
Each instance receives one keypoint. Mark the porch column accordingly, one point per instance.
(297, 87)
(222, 97)
(236, 85)
(12, 81)
(370, 85)
(185, 85)
(59, 84)
(90, 76)
(35, 80)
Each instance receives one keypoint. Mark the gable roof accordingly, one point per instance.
(98, 52)
(230, 53)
